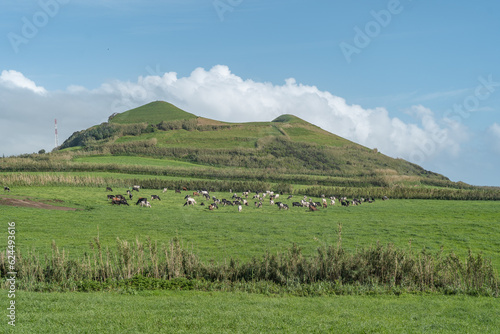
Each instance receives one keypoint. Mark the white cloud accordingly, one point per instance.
(494, 136)
(16, 79)
(495, 130)
(222, 95)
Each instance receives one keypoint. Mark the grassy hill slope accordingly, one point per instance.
(152, 113)
(287, 144)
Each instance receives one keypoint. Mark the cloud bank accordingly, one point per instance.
(28, 111)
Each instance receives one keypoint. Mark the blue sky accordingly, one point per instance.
(419, 80)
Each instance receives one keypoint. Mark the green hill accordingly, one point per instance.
(288, 144)
(152, 113)
(288, 119)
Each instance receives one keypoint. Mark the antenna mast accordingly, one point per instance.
(55, 126)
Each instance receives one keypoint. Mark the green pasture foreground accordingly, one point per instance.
(218, 312)
(226, 233)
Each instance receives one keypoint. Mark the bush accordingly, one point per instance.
(145, 266)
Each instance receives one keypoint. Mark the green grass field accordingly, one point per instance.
(216, 312)
(431, 224)
(226, 233)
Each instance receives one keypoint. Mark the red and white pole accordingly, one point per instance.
(55, 125)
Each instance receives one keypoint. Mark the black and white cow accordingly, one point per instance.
(190, 201)
(141, 200)
(283, 206)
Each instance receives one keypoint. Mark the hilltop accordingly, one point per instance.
(152, 113)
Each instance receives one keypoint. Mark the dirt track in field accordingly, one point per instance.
(26, 203)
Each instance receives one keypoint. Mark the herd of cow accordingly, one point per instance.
(241, 201)
(121, 200)
(236, 200)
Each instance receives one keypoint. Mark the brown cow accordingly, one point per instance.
(119, 201)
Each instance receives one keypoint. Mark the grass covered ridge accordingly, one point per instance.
(288, 143)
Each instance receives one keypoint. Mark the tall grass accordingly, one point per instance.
(248, 181)
(56, 179)
(385, 267)
(363, 183)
